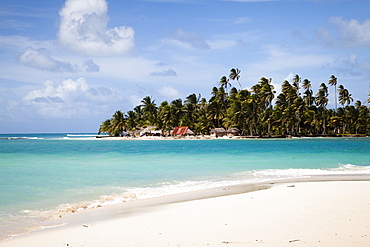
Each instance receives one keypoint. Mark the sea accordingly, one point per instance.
(46, 176)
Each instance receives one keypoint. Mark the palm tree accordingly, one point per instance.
(350, 119)
(307, 98)
(322, 96)
(267, 92)
(281, 101)
(267, 95)
(278, 118)
(309, 117)
(149, 110)
(296, 81)
(308, 93)
(177, 112)
(139, 116)
(307, 84)
(255, 110)
(203, 124)
(287, 120)
(289, 91)
(235, 75)
(321, 101)
(298, 106)
(193, 99)
(344, 96)
(131, 122)
(224, 82)
(105, 127)
(221, 97)
(216, 112)
(191, 109)
(118, 122)
(164, 117)
(364, 119)
(237, 113)
(333, 81)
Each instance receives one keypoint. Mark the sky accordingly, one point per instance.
(68, 65)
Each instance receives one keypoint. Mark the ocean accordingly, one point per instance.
(45, 176)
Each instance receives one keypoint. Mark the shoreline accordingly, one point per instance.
(154, 137)
(212, 137)
(112, 216)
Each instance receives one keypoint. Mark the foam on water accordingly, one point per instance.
(83, 135)
(175, 187)
(24, 137)
(289, 173)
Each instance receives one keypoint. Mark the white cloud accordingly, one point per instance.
(68, 90)
(91, 66)
(279, 59)
(221, 44)
(351, 67)
(231, 40)
(169, 92)
(83, 29)
(346, 33)
(192, 40)
(70, 99)
(284, 63)
(42, 60)
(169, 72)
(135, 100)
(133, 69)
(16, 42)
(289, 77)
(161, 64)
(9, 105)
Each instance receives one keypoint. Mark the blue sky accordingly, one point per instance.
(67, 65)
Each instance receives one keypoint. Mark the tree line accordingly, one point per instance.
(296, 111)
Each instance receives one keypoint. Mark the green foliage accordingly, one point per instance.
(259, 112)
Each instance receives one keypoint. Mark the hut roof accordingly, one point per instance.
(218, 131)
(182, 131)
(233, 130)
(190, 132)
(148, 129)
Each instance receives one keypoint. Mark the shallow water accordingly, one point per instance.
(49, 175)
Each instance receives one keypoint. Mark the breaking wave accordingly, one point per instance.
(176, 187)
(23, 138)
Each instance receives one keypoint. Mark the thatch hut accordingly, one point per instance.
(233, 132)
(134, 133)
(150, 131)
(218, 132)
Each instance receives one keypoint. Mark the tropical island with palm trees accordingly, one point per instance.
(296, 111)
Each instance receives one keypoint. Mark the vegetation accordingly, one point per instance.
(296, 111)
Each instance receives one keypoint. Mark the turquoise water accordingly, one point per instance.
(49, 175)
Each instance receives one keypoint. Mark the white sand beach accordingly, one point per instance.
(294, 213)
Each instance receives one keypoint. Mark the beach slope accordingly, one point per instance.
(296, 213)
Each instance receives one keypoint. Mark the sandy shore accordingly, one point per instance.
(322, 211)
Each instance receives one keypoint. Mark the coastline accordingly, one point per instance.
(298, 212)
(209, 137)
(66, 136)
